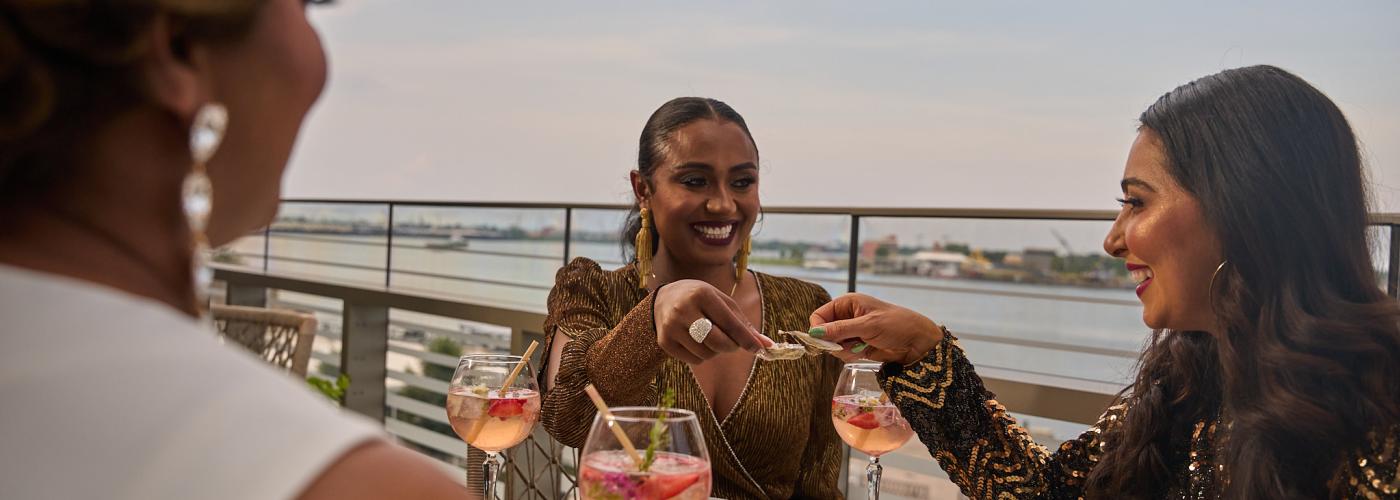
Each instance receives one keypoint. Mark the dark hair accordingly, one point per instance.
(651, 149)
(1309, 359)
(67, 67)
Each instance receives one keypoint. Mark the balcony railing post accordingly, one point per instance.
(245, 295)
(389, 247)
(1392, 274)
(364, 346)
(568, 232)
(853, 262)
(520, 340)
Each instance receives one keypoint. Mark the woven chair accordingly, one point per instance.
(281, 337)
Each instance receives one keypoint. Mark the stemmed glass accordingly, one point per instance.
(489, 415)
(867, 420)
(662, 457)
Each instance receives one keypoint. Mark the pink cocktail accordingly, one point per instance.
(612, 475)
(669, 460)
(866, 420)
(493, 403)
(868, 424)
(489, 420)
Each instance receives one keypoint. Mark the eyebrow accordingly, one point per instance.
(1134, 181)
(695, 165)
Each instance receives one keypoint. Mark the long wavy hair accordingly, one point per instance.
(651, 149)
(1307, 360)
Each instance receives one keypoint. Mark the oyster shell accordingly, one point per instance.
(824, 345)
(780, 351)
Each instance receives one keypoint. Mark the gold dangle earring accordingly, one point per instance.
(742, 263)
(644, 249)
(197, 194)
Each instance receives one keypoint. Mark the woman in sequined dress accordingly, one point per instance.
(626, 331)
(1274, 366)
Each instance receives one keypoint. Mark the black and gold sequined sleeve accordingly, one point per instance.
(1374, 472)
(982, 448)
(620, 360)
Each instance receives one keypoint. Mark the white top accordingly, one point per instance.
(107, 395)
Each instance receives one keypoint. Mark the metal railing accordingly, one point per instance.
(541, 468)
(1389, 221)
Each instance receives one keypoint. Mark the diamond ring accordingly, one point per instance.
(700, 329)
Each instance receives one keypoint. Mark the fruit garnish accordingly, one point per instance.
(506, 408)
(667, 486)
(864, 421)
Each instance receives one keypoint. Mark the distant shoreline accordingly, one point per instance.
(999, 275)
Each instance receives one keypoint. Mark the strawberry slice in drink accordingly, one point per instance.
(864, 421)
(668, 486)
(506, 407)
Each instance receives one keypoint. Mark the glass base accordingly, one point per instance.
(491, 466)
(872, 478)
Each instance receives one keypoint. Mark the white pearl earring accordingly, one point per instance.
(197, 193)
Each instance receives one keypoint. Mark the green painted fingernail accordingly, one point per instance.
(817, 331)
(859, 347)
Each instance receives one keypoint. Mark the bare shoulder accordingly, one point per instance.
(383, 470)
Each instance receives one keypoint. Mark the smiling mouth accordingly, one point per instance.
(1142, 275)
(715, 233)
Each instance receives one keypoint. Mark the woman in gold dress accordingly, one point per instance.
(1274, 367)
(628, 331)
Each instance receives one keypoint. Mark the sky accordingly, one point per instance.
(889, 104)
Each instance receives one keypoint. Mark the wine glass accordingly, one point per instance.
(867, 420)
(486, 413)
(674, 463)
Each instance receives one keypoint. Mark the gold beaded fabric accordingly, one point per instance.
(989, 456)
(777, 442)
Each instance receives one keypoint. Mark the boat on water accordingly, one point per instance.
(454, 242)
(822, 264)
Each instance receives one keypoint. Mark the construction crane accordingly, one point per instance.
(1064, 243)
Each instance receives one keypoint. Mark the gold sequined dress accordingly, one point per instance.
(989, 456)
(777, 442)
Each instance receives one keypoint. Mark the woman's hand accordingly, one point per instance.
(874, 329)
(683, 302)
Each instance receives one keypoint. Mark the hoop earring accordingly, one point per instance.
(644, 248)
(742, 263)
(1211, 290)
(197, 194)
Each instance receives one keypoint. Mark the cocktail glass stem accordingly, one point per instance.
(872, 478)
(492, 466)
